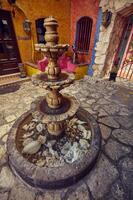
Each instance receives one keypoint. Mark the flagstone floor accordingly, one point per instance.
(112, 177)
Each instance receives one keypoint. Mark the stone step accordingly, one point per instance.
(11, 79)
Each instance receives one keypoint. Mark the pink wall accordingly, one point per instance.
(80, 8)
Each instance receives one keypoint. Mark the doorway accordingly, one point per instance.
(125, 51)
(9, 52)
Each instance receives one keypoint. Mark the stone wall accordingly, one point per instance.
(104, 50)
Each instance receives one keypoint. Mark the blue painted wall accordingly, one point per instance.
(99, 22)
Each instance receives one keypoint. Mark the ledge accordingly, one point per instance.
(31, 64)
(81, 64)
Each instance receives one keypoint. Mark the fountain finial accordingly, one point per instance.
(51, 34)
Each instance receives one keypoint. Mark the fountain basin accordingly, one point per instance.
(52, 177)
(64, 80)
(67, 110)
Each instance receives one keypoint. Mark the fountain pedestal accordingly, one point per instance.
(54, 98)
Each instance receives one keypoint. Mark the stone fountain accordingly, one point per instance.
(56, 142)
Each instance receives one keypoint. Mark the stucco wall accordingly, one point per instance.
(34, 9)
(79, 9)
(105, 36)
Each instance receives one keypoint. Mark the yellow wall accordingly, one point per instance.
(81, 71)
(31, 70)
(35, 9)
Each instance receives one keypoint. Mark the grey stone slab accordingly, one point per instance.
(90, 110)
(2, 151)
(96, 95)
(81, 192)
(4, 196)
(49, 196)
(102, 113)
(117, 191)
(3, 160)
(10, 118)
(126, 165)
(102, 177)
(21, 192)
(90, 101)
(125, 121)
(4, 130)
(109, 121)
(111, 109)
(124, 112)
(85, 104)
(2, 119)
(7, 179)
(108, 197)
(124, 136)
(102, 101)
(96, 107)
(105, 131)
(127, 178)
(116, 150)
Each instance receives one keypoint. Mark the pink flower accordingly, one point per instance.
(42, 64)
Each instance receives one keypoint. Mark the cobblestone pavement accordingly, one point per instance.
(112, 176)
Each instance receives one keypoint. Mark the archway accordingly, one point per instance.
(122, 20)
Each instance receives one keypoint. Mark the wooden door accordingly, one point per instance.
(9, 52)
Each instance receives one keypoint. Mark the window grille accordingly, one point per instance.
(83, 35)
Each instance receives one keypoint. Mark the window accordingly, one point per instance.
(4, 30)
(83, 35)
(40, 30)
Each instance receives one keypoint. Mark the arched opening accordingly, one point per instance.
(120, 46)
(125, 51)
(83, 35)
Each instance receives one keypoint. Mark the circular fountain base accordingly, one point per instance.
(52, 177)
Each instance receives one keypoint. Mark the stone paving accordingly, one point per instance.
(112, 176)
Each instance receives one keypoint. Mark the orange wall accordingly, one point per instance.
(80, 8)
(34, 9)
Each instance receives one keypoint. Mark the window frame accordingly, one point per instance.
(83, 34)
(36, 23)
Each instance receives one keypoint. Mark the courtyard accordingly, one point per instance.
(66, 100)
(112, 176)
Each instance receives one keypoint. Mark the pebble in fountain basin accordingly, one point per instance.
(57, 163)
